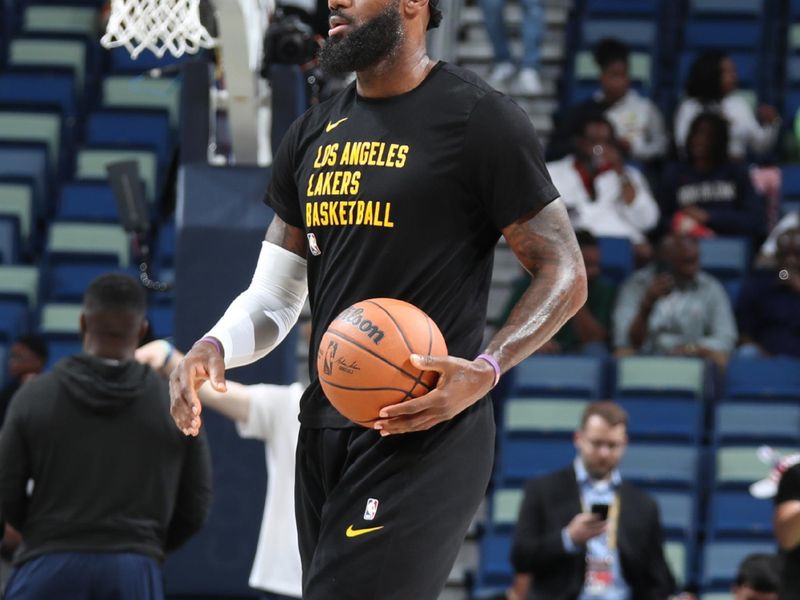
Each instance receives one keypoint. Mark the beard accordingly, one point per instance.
(365, 45)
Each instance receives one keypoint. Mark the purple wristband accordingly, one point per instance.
(491, 360)
(213, 341)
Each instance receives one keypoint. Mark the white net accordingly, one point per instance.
(160, 26)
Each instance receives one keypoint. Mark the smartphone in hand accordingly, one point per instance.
(601, 510)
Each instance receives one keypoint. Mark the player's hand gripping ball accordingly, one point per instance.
(364, 357)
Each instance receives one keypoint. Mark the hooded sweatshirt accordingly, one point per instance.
(109, 470)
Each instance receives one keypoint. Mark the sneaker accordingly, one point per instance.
(501, 74)
(527, 83)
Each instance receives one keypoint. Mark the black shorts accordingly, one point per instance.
(384, 518)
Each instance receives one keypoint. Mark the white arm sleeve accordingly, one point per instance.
(261, 316)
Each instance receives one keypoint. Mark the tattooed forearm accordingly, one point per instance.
(286, 236)
(547, 248)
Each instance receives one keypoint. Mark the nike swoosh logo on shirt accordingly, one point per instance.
(333, 125)
(357, 532)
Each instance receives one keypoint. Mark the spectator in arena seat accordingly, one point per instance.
(768, 307)
(707, 194)
(527, 81)
(588, 332)
(604, 195)
(758, 578)
(637, 122)
(115, 484)
(26, 359)
(674, 308)
(566, 544)
(711, 85)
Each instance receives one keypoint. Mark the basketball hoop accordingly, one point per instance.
(160, 26)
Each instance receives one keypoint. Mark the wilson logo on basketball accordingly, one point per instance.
(355, 317)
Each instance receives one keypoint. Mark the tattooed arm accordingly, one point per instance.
(547, 248)
(545, 244)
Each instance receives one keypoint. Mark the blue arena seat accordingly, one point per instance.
(162, 321)
(494, 569)
(88, 201)
(33, 88)
(524, 458)
(737, 513)
(678, 513)
(165, 247)
(637, 33)
(660, 376)
(791, 102)
(721, 559)
(28, 161)
(757, 422)
(61, 347)
(67, 282)
(552, 417)
(16, 200)
(790, 179)
(732, 288)
(14, 320)
(736, 467)
(19, 283)
(9, 240)
(764, 377)
(745, 8)
(669, 465)
(564, 376)
(645, 8)
(793, 71)
(616, 258)
(731, 35)
(101, 243)
(667, 419)
(131, 128)
(3, 364)
(725, 257)
(122, 62)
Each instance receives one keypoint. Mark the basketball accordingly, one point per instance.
(364, 357)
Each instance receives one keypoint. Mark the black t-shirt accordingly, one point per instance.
(789, 489)
(405, 197)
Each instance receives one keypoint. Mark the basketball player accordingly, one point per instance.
(399, 186)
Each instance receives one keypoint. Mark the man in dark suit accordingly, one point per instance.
(583, 533)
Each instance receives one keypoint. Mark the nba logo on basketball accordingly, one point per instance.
(371, 510)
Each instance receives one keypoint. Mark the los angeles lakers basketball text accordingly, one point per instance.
(324, 183)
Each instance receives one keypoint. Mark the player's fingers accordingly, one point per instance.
(185, 406)
(428, 401)
(430, 363)
(409, 423)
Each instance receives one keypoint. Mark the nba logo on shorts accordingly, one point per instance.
(371, 510)
(312, 244)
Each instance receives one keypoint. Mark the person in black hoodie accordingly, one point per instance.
(115, 485)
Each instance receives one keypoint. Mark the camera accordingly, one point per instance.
(288, 41)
